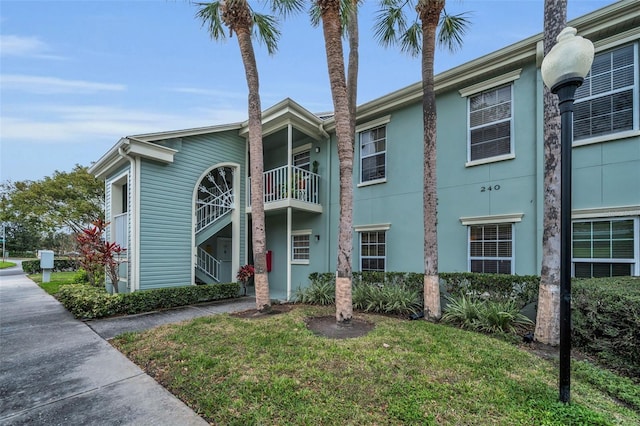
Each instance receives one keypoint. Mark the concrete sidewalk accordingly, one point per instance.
(54, 370)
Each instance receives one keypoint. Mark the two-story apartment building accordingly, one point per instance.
(178, 200)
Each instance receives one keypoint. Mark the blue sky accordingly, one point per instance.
(75, 76)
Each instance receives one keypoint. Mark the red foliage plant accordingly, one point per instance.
(96, 253)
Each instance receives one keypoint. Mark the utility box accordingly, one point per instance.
(46, 259)
(46, 264)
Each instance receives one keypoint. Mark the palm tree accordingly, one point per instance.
(548, 316)
(333, 14)
(240, 19)
(392, 27)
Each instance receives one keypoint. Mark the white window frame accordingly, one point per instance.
(635, 131)
(381, 227)
(510, 120)
(305, 149)
(634, 262)
(498, 258)
(502, 219)
(300, 233)
(366, 127)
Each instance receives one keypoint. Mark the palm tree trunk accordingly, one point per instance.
(548, 315)
(430, 15)
(331, 26)
(261, 279)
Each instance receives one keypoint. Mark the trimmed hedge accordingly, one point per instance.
(59, 265)
(606, 321)
(86, 302)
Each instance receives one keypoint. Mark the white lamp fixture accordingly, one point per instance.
(569, 59)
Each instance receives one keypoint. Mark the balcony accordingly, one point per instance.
(301, 191)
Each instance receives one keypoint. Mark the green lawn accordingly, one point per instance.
(4, 265)
(57, 280)
(273, 370)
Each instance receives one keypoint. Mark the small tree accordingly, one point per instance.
(98, 256)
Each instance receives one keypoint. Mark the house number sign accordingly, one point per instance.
(490, 188)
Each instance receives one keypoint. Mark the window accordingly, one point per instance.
(300, 247)
(302, 159)
(373, 251)
(606, 100)
(491, 248)
(490, 123)
(605, 248)
(373, 154)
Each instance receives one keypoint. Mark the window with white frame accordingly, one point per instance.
(607, 101)
(605, 247)
(373, 154)
(490, 122)
(373, 251)
(300, 248)
(302, 159)
(491, 248)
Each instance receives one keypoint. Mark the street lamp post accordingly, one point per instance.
(563, 71)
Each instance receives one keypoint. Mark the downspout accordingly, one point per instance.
(133, 249)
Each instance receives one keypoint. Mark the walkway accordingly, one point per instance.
(55, 370)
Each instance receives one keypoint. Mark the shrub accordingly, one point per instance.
(81, 277)
(463, 311)
(498, 287)
(87, 302)
(488, 316)
(386, 298)
(322, 291)
(606, 321)
(59, 265)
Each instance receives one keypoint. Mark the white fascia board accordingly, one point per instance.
(108, 162)
(149, 150)
(153, 137)
(372, 227)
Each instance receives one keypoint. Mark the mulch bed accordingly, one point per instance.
(327, 326)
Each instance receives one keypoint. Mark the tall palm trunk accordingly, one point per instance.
(242, 17)
(331, 26)
(429, 13)
(548, 315)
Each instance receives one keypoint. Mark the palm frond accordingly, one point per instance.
(209, 14)
(287, 8)
(452, 30)
(266, 30)
(411, 40)
(389, 22)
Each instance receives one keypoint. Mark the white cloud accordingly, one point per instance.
(13, 45)
(54, 85)
(86, 124)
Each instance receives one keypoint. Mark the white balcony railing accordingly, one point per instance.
(208, 264)
(302, 186)
(121, 230)
(213, 208)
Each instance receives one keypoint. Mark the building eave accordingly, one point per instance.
(288, 112)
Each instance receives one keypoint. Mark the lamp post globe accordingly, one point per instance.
(563, 71)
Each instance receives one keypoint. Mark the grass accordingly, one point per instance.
(5, 265)
(273, 370)
(57, 280)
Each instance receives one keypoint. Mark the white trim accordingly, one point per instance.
(488, 220)
(361, 257)
(373, 123)
(511, 259)
(371, 182)
(302, 232)
(372, 227)
(491, 83)
(605, 212)
(607, 138)
(491, 159)
(302, 148)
